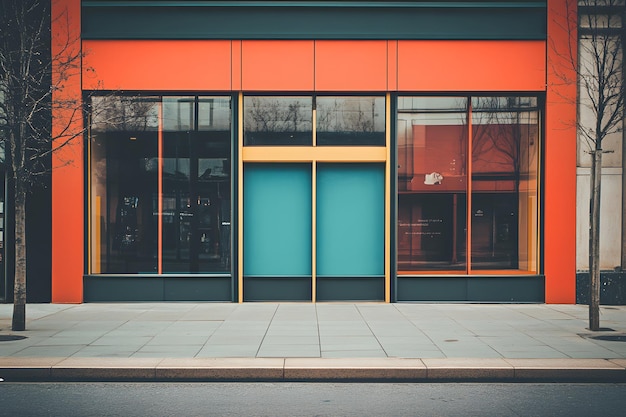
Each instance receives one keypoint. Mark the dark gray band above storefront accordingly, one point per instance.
(314, 20)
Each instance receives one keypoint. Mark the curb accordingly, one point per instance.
(311, 369)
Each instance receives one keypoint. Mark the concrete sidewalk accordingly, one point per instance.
(305, 341)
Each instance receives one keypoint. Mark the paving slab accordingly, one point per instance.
(354, 354)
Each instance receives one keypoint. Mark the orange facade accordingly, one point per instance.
(283, 65)
(411, 66)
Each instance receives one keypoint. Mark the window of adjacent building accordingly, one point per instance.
(467, 183)
(160, 184)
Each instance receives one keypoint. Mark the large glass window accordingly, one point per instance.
(505, 152)
(160, 184)
(196, 184)
(124, 184)
(467, 178)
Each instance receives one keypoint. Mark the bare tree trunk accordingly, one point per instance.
(623, 259)
(19, 290)
(594, 241)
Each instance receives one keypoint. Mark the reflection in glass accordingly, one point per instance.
(214, 114)
(3, 288)
(196, 186)
(432, 183)
(278, 121)
(350, 121)
(124, 146)
(124, 113)
(505, 137)
(196, 178)
(434, 164)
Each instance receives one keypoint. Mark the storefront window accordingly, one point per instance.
(345, 121)
(505, 152)
(196, 184)
(160, 188)
(124, 152)
(436, 157)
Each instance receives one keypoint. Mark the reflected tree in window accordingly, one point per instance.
(123, 168)
(504, 185)
(504, 138)
(350, 120)
(160, 189)
(436, 168)
(278, 120)
(120, 113)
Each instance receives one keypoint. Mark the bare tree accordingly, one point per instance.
(598, 64)
(505, 137)
(33, 91)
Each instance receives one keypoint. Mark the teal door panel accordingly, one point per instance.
(277, 220)
(350, 219)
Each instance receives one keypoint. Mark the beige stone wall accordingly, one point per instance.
(611, 218)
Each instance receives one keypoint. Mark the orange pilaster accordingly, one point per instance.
(235, 65)
(560, 155)
(67, 163)
(392, 65)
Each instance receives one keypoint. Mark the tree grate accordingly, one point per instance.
(610, 337)
(10, 337)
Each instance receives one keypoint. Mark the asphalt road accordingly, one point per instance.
(311, 399)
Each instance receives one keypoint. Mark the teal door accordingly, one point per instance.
(350, 246)
(278, 231)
